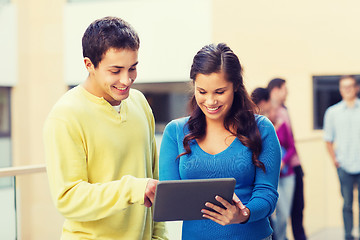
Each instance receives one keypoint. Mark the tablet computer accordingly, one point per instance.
(183, 199)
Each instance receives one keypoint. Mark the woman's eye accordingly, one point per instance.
(132, 69)
(221, 92)
(201, 92)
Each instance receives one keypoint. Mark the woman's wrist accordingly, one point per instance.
(246, 213)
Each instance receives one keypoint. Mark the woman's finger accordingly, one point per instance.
(214, 219)
(225, 203)
(236, 198)
(215, 208)
(240, 204)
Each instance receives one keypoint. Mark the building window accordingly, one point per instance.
(4, 112)
(326, 93)
(167, 100)
(5, 133)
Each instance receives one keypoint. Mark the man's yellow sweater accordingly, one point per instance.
(99, 162)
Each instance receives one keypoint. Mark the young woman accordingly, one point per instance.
(224, 138)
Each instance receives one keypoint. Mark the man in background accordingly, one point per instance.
(342, 137)
(278, 93)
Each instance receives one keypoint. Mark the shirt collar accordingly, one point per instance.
(356, 105)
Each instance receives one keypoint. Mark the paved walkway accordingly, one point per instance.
(330, 234)
(336, 233)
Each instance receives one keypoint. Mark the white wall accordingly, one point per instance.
(8, 45)
(165, 27)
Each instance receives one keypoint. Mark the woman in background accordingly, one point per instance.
(223, 138)
(287, 175)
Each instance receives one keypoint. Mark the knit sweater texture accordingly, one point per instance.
(255, 188)
(99, 162)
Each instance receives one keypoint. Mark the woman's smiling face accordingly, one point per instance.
(214, 95)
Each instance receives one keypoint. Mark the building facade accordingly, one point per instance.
(41, 42)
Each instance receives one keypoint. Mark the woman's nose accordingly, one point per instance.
(211, 101)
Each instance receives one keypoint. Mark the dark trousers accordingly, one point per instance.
(298, 206)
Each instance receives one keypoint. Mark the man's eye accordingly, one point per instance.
(132, 69)
(115, 72)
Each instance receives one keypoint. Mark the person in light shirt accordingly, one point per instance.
(342, 137)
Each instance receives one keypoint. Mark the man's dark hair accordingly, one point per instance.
(106, 33)
(275, 83)
(260, 94)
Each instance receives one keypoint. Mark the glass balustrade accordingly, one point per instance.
(8, 223)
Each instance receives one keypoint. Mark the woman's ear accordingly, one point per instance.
(236, 87)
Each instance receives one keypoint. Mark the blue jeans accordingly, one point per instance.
(268, 238)
(347, 183)
(283, 206)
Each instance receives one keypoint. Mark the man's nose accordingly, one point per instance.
(126, 80)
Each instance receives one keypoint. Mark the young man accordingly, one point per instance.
(100, 143)
(278, 94)
(342, 128)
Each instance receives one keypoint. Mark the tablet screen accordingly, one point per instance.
(183, 199)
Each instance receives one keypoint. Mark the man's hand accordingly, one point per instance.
(150, 192)
(330, 148)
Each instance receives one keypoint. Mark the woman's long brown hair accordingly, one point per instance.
(212, 59)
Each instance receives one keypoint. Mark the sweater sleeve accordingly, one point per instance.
(159, 231)
(169, 150)
(74, 196)
(264, 196)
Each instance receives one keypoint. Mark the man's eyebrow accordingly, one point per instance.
(114, 66)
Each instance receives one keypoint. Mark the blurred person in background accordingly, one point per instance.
(278, 94)
(261, 97)
(100, 143)
(342, 137)
(287, 177)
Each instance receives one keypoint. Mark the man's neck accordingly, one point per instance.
(350, 102)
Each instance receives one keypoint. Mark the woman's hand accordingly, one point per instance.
(232, 214)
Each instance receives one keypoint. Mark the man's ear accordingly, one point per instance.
(89, 65)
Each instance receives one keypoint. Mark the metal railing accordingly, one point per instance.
(9, 197)
(14, 171)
